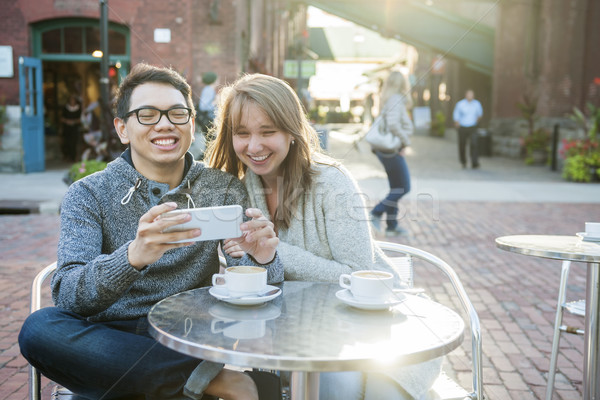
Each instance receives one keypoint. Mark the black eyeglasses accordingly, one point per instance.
(151, 115)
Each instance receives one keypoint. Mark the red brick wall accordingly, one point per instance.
(13, 34)
(591, 63)
(197, 45)
(548, 49)
(561, 44)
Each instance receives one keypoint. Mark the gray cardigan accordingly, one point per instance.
(99, 219)
(330, 233)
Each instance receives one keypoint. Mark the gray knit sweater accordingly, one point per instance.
(329, 234)
(94, 278)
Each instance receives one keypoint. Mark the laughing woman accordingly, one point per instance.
(262, 136)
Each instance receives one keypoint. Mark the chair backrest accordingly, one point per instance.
(399, 251)
(36, 301)
(403, 266)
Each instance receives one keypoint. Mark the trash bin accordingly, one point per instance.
(484, 142)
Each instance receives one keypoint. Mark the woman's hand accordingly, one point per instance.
(259, 238)
(150, 242)
(232, 247)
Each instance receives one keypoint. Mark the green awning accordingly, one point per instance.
(415, 23)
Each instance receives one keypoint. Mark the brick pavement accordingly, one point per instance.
(514, 295)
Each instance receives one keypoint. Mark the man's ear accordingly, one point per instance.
(121, 129)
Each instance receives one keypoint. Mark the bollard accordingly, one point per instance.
(555, 133)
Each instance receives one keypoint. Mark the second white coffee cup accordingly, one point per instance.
(368, 285)
(592, 229)
(242, 280)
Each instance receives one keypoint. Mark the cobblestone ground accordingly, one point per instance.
(514, 295)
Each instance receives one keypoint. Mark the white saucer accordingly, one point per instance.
(346, 296)
(223, 295)
(586, 236)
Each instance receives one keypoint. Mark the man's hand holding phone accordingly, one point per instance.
(151, 242)
(163, 228)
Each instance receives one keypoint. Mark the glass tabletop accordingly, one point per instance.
(552, 246)
(306, 328)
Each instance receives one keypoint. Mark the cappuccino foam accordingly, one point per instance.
(245, 270)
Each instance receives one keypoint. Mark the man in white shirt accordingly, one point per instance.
(467, 114)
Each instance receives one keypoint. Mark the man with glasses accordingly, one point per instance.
(115, 259)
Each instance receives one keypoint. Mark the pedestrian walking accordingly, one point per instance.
(396, 99)
(467, 114)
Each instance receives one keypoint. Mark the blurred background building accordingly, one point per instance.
(540, 52)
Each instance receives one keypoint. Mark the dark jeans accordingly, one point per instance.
(468, 134)
(399, 179)
(103, 360)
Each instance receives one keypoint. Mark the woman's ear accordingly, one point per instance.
(121, 129)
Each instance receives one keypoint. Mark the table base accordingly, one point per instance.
(591, 370)
(304, 385)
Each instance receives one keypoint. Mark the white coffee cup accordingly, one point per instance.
(368, 285)
(592, 229)
(242, 280)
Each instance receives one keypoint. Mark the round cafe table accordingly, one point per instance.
(571, 248)
(305, 330)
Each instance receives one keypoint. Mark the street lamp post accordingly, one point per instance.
(104, 90)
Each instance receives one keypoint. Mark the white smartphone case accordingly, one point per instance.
(216, 223)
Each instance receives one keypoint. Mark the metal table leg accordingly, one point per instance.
(591, 372)
(304, 385)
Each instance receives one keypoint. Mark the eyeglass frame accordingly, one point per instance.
(162, 112)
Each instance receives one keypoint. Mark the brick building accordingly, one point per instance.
(192, 36)
(546, 50)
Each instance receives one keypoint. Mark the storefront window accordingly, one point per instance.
(82, 39)
(92, 39)
(51, 41)
(73, 40)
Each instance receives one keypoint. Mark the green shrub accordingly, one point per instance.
(82, 169)
(582, 156)
(438, 125)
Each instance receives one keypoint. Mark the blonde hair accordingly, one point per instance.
(281, 104)
(396, 83)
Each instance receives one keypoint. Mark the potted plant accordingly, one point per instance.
(537, 147)
(82, 169)
(582, 156)
(536, 143)
(438, 125)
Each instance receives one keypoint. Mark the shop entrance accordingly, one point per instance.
(61, 81)
(68, 49)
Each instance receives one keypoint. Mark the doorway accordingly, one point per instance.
(61, 79)
(66, 47)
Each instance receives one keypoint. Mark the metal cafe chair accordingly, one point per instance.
(574, 307)
(444, 388)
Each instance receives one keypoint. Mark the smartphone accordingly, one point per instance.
(216, 223)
